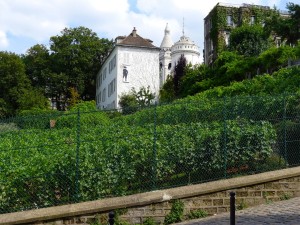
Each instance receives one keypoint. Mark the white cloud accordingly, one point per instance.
(3, 40)
(38, 20)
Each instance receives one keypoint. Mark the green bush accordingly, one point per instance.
(196, 214)
(176, 213)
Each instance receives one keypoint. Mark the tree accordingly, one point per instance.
(275, 58)
(249, 40)
(37, 63)
(192, 78)
(77, 54)
(134, 100)
(15, 87)
(40, 68)
(286, 27)
(166, 93)
(178, 74)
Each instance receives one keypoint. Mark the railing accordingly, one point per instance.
(48, 160)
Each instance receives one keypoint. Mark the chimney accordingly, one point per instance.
(134, 32)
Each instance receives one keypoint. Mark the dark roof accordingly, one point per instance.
(133, 39)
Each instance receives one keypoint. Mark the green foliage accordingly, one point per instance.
(275, 58)
(73, 62)
(149, 221)
(285, 196)
(143, 96)
(135, 100)
(242, 205)
(16, 92)
(78, 53)
(166, 94)
(193, 80)
(286, 27)
(128, 103)
(74, 97)
(239, 18)
(179, 72)
(176, 213)
(36, 118)
(248, 40)
(196, 214)
(274, 162)
(89, 116)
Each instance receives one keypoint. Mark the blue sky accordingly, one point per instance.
(24, 23)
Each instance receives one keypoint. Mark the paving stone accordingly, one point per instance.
(284, 212)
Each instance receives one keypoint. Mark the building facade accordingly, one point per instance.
(223, 18)
(170, 53)
(133, 63)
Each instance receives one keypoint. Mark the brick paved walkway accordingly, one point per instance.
(284, 212)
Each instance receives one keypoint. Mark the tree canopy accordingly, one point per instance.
(16, 91)
(249, 40)
(71, 63)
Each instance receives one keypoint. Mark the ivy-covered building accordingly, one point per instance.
(223, 18)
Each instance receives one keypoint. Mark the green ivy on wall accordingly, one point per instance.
(239, 16)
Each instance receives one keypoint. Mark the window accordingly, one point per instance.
(160, 66)
(111, 87)
(169, 66)
(229, 20)
(252, 20)
(226, 37)
(104, 95)
(112, 64)
(100, 80)
(104, 73)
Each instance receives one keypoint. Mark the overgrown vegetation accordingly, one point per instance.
(176, 213)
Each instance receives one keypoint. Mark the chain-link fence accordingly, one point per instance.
(48, 160)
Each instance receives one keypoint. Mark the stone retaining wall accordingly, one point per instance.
(213, 197)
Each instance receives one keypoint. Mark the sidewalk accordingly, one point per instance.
(284, 212)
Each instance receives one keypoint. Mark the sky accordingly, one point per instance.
(24, 23)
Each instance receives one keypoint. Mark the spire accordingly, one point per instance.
(167, 31)
(183, 26)
(167, 41)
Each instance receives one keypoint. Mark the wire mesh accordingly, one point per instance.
(49, 160)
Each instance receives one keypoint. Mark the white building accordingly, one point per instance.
(133, 63)
(170, 54)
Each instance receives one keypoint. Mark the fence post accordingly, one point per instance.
(232, 208)
(154, 165)
(284, 135)
(77, 158)
(111, 218)
(225, 137)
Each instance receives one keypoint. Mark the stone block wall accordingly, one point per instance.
(219, 202)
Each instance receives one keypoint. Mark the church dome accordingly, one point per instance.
(185, 44)
(167, 41)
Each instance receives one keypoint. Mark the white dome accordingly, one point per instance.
(167, 41)
(185, 43)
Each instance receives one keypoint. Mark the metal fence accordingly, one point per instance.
(76, 156)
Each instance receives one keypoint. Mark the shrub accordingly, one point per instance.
(196, 214)
(176, 213)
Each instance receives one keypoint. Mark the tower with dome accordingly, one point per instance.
(170, 53)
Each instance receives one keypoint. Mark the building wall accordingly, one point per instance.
(142, 65)
(105, 77)
(222, 19)
(192, 57)
(165, 66)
